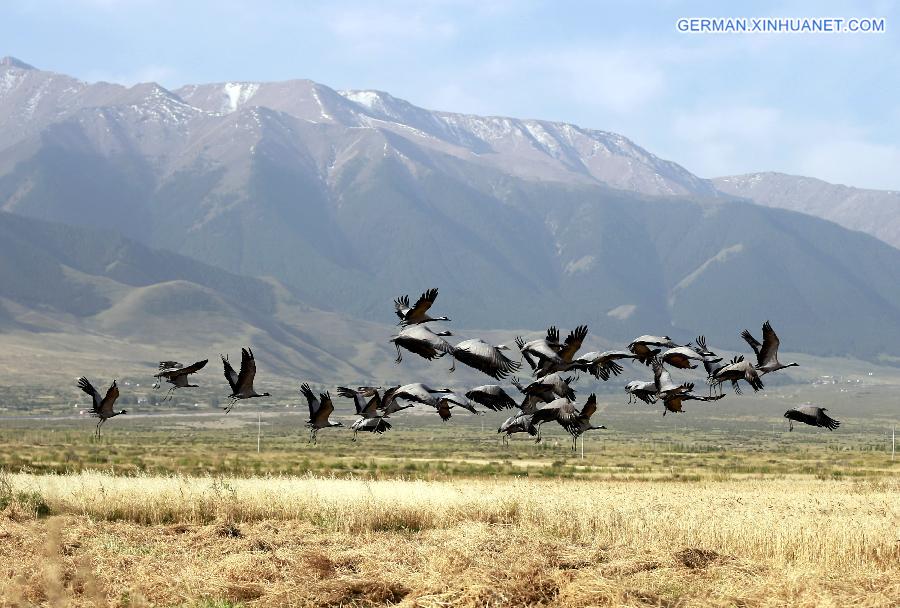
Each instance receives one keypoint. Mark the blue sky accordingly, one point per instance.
(825, 105)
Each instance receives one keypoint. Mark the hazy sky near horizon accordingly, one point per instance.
(824, 105)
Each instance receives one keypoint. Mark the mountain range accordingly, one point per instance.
(875, 212)
(345, 199)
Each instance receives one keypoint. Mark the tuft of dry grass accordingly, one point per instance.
(310, 541)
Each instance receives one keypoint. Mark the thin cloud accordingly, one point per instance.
(161, 74)
(853, 163)
(510, 83)
(373, 29)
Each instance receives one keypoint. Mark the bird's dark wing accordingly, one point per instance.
(310, 399)
(423, 304)
(488, 359)
(657, 373)
(88, 388)
(525, 356)
(545, 413)
(814, 416)
(106, 406)
(194, 367)
(712, 365)
(359, 402)
(769, 350)
(553, 335)
(590, 407)
(461, 402)
(343, 391)
(388, 396)
(753, 342)
(494, 398)
(401, 305)
(827, 421)
(517, 382)
(423, 348)
(537, 388)
(248, 370)
(179, 370)
(754, 380)
(692, 397)
(371, 425)
(230, 375)
(568, 391)
(645, 395)
(701, 344)
(567, 412)
(327, 407)
(373, 405)
(573, 342)
(673, 403)
(611, 367)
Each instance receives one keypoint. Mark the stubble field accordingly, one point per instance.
(95, 539)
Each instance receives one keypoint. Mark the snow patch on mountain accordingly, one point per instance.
(582, 264)
(720, 258)
(369, 99)
(238, 93)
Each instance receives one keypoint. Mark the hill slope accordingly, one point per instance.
(112, 304)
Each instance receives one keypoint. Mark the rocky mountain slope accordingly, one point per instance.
(352, 198)
(875, 212)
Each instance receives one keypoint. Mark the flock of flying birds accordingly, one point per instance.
(548, 397)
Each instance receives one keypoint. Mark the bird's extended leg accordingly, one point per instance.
(169, 395)
(790, 425)
(453, 367)
(232, 400)
(399, 354)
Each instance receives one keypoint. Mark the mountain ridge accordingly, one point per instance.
(875, 212)
(348, 209)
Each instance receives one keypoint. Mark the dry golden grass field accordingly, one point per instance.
(94, 539)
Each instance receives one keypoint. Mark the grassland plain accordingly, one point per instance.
(94, 539)
(175, 506)
(422, 447)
